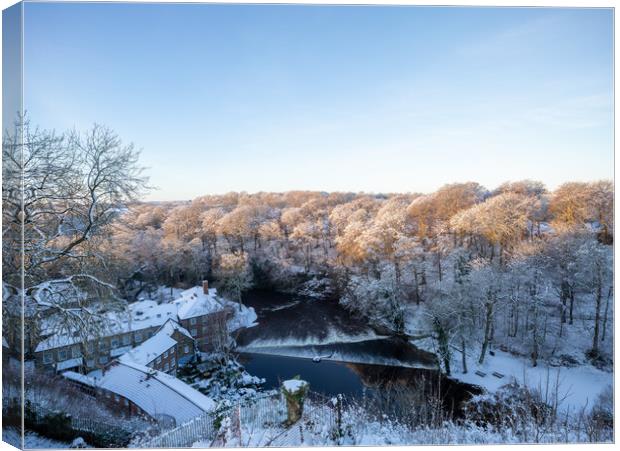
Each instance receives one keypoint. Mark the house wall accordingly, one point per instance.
(168, 362)
(209, 331)
(97, 353)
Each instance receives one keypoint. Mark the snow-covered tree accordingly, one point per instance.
(74, 186)
(234, 275)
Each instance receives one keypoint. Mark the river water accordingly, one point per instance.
(337, 353)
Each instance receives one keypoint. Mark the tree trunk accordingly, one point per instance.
(464, 355)
(572, 302)
(417, 288)
(564, 295)
(487, 332)
(609, 293)
(597, 315)
(444, 347)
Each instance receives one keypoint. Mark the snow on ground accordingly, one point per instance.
(32, 440)
(225, 383)
(317, 428)
(577, 386)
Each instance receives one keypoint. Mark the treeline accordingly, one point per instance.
(518, 266)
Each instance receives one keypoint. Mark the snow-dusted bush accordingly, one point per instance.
(511, 407)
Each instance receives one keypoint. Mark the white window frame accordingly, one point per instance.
(186, 349)
(192, 321)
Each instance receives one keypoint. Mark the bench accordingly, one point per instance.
(481, 374)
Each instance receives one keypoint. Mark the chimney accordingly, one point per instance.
(205, 286)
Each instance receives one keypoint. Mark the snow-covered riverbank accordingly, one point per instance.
(575, 387)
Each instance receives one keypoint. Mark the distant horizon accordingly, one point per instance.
(370, 193)
(225, 97)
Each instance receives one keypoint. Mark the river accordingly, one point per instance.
(338, 353)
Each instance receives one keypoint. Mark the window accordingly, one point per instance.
(186, 349)
(48, 357)
(138, 337)
(166, 367)
(194, 332)
(103, 360)
(102, 345)
(62, 354)
(158, 361)
(91, 347)
(114, 343)
(192, 321)
(76, 352)
(173, 361)
(90, 363)
(165, 354)
(126, 339)
(117, 398)
(125, 401)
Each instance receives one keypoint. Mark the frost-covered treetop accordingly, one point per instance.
(294, 385)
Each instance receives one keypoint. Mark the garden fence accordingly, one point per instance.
(249, 421)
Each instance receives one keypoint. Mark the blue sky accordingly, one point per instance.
(377, 99)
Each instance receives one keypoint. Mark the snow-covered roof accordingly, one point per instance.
(155, 392)
(194, 302)
(149, 350)
(146, 314)
(72, 375)
(71, 363)
(138, 316)
(171, 325)
(156, 345)
(120, 351)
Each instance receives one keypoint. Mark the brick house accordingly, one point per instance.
(199, 312)
(205, 316)
(170, 347)
(125, 330)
